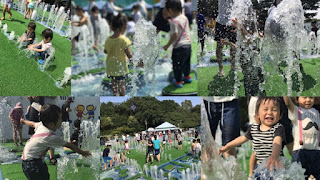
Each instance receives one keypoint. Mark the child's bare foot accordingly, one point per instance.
(2, 18)
(10, 16)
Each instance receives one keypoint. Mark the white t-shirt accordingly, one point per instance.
(175, 28)
(137, 16)
(219, 99)
(198, 147)
(40, 142)
(130, 27)
(252, 109)
(45, 46)
(310, 133)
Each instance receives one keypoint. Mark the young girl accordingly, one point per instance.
(150, 150)
(126, 147)
(269, 132)
(30, 8)
(7, 6)
(117, 48)
(15, 115)
(306, 137)
(194, 147)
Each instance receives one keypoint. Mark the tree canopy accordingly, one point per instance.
(139, 113)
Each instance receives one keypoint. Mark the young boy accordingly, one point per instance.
(7, 5)
(43, 46)
(15, 115)
(29, 35)
(194, 147)
(268, 133)
(306, 137)
(106, 156)
(44, 139)
(181, 53)
(75, 135)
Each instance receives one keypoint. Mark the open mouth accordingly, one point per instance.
(269, 118)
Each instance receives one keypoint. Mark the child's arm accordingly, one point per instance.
(289, 103)
(77, 149)
(274, 158)
(173, 37)
(28, 123)
(237, 142)
(128, 52)
(252, 163)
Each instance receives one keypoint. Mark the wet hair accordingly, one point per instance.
(263, 100)
(47, 33)
(77, 123)
(32, 25)
(49, 114)
(118, 22)
(155, 137)
(174, 5)
(94, 8)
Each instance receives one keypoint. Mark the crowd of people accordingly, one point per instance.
(272, 120)
(154, 142)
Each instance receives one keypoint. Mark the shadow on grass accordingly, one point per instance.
(51, 68)
(222, 86)
(19, 21)
(307, 80)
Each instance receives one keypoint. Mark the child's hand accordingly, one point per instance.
(274, 161)
(165, 47)
(223, 149)
(22, 120)
(86, 153)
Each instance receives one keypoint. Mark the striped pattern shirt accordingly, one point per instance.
(262, 141)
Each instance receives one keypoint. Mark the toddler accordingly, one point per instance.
(29, 35)
(43, 46)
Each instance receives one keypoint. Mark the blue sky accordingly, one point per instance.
(177, 99)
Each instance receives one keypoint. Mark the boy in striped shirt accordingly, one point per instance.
(267, 136)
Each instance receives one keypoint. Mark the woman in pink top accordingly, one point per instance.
(15, 115)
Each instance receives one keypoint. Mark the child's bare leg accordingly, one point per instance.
(151, 159)
(14, 134)
(115, 87)
(9, 11)
(51, 153)
(290, 148)
(233, 54)
(252, 163)
(111, 163)
(20, 135)
(4, 12)
(122, 87)
(219, 54)
(30, 14)
(105, 166)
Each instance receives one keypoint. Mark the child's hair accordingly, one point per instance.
(49, 114)
(79, 8)
(198, 140)
(32, 25)
(118, 22)
(262, 99)
(94, 8)
(174, 5)
(47, 33)
(130, 18)
(194, 140)
(313, 23)
(136, 7)
(155, 137)
(77, 123)
(125, 141)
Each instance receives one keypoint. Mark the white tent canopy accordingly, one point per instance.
(165, 126)
(129, 7)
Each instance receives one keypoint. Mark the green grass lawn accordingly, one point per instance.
(187, 87)
(21, 75)
(275, 86)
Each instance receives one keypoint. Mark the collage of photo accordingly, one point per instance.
(159, 90)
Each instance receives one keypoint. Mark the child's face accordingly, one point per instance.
(269, 113)
(306, 102)
(46, 40)
(30, 29)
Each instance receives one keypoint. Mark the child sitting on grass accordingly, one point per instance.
(117, 48)
(267, 136)
(7, 6)
(15, 115)
(29, 36)
(36, 148)
(181, 53)
(43, 46)
(306, 137)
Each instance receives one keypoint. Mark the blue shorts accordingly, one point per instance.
(156, 151)
(105, 159)
(230, 126)
(309, 159)
(31, 5)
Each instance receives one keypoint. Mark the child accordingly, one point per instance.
(118, 157)
(117, 48)
(43, 46)
(194, 147)
(106, 156)
(83, 21)
(126, 147)
(130, 28)
(269, 133)
(75, 135)
(136, 13)
(198, 147)
(306, 137)
(15, 115)
(43, 139)
(181, 53)
(31, 5)
(179, 138)
(150, 150)
(29, 36)
(94, 18)
(7, 5)
(26, 11)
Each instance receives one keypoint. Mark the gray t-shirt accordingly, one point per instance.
(224, 9)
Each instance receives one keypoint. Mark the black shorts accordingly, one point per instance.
(309, 159)
(119, 78)
(161, 23)
(190, 17)
(224, 32)
(179, 142)
(35, 169)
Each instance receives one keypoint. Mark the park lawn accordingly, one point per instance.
(187, 87)
(275, 86)
(21, 75)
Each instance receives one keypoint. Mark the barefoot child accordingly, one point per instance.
(15, 115)
(306, 137)
(181, 53)
(126, 147)
(194, 147)
(29, 35)
(31, 5)
(44, 138)
(7, 6)
(43, 46)
(269, 133)
(117, 48)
